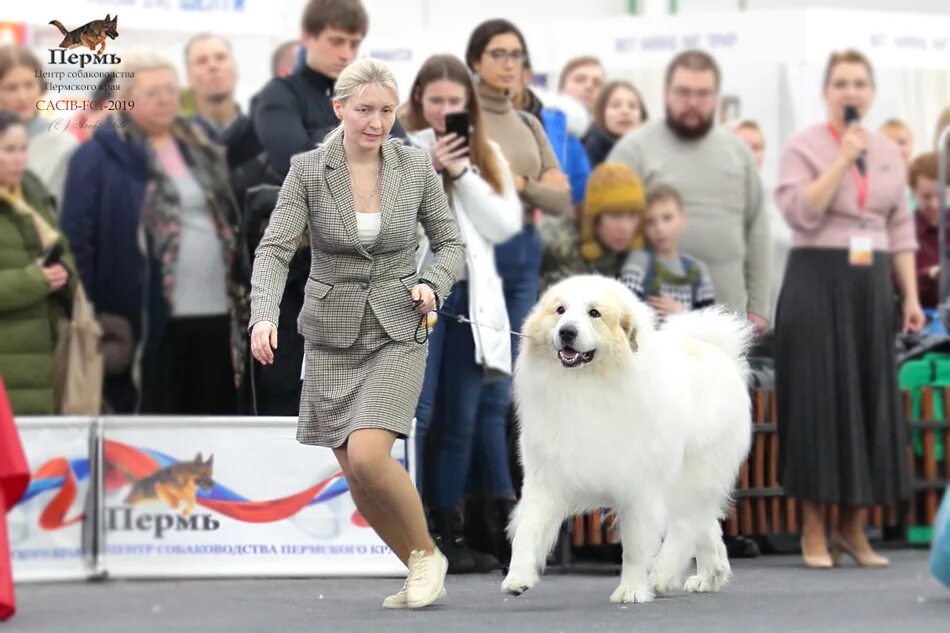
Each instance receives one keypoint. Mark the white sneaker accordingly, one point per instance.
(399, 600)
(426, 580)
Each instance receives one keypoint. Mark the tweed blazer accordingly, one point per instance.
(344, 275)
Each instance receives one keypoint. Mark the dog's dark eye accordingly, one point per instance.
(560, 310)
(594, 314)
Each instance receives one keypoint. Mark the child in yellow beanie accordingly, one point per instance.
(605, 232)
(660, 274)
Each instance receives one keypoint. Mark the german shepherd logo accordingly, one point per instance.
(175, 484)
(90, 35)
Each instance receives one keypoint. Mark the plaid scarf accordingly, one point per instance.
(161, 216)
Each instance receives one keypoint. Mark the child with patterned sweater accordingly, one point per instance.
(666, 279)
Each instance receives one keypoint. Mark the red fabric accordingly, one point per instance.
(14, 478)
(14, 473)
(7, 597)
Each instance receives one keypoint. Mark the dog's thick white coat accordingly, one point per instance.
(655, 426)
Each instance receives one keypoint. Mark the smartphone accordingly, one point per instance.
(458, 123)
(52, 256)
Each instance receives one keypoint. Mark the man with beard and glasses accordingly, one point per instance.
(716, 174)
(212, 75)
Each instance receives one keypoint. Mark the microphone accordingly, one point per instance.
(851, 116)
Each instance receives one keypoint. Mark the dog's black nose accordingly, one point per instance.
(567, 334)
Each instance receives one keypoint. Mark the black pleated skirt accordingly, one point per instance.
(841, 426)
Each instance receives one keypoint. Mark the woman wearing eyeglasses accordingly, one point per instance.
(496, 54)
(150, 216)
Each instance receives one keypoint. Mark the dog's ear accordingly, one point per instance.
(533, 326)
(198, 458)
(629, 326)
(210, 460)
(108, 18)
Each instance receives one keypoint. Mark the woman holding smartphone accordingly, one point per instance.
(35, 284)
(443, 116)
(496, 53)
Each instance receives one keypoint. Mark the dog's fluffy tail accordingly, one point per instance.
(725, 330)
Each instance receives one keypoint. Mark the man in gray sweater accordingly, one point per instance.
(717, 177)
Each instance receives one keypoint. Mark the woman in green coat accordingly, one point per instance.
(32, 297)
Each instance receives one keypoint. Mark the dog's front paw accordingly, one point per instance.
(664, 580)
(517, 583)
(631, 593)
(709, 583)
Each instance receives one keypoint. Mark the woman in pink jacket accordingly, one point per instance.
(843, 441)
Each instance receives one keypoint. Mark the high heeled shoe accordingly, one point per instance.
(840, 547)
(813, 561)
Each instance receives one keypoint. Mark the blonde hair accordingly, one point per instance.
(138, 61)
(355, 78)
(893, 126)
(747, 124)
(363, 73)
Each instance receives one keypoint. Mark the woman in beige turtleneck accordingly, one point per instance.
(496, 54)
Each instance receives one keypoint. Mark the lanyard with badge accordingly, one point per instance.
(861, 251)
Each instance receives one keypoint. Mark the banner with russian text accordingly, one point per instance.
(47, 525)
(230, 497)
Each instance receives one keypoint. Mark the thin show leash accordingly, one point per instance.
(423, 324)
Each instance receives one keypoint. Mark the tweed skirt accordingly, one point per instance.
(373, 384)
(842, 434)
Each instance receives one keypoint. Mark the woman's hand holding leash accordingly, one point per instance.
(423, 298)
(264, 342)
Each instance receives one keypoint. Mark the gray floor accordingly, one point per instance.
(766, 594)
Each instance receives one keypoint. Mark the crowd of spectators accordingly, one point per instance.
(157, 215)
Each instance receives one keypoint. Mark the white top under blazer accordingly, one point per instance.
(368, 225)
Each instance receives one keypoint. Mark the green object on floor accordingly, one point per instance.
(930, 370)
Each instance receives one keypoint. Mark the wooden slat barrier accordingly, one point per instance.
(760, 507)
(946, 437)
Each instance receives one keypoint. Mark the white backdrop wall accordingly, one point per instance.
(910, 6)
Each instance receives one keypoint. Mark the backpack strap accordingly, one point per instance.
(650, 276)
(690, 271)
(695, 275)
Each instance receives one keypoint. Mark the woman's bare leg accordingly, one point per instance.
(397, 514)
(372, 512)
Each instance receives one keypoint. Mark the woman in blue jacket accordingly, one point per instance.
(154, 228)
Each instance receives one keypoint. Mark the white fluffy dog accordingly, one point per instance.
(654, 423)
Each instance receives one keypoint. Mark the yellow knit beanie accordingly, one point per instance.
(612, 188)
